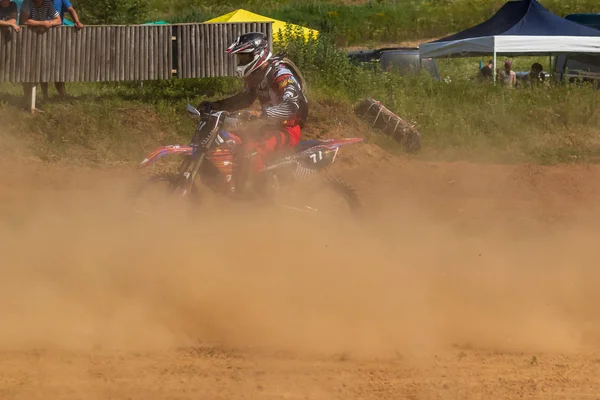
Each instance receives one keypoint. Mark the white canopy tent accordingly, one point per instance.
(521, 27)
(511, 46)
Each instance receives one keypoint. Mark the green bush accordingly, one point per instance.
(559, 123)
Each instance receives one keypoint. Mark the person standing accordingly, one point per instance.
(8, 14)
(61, 6)
(40, 15)
(65, 5)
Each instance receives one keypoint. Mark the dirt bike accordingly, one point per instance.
(211, 157)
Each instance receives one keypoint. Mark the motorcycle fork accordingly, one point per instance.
(194, 163)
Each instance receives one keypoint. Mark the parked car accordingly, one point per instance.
(580, 66)
(404, 60)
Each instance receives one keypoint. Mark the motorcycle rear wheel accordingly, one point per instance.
(323, 195)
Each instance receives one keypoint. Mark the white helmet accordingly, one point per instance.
(252, 50)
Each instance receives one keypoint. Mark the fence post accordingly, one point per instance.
(30, 96)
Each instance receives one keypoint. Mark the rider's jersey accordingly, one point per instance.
(277, 90)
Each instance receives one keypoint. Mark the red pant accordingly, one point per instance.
(270, 142)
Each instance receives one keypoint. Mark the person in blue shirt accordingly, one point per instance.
(62, 6)
(65, 5)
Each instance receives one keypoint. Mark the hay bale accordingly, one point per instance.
(381, 118)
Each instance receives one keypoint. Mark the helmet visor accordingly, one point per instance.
(244, 58)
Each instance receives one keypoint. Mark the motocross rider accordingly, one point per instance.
(278, 89)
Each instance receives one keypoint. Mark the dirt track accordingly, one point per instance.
(467, 281)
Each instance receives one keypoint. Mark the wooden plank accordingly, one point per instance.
(15, 45)
(158, 53)
(124, 54)
(114, 76)
(117, 54)
(170, 64)
(152, 53)
(130, 53)
(204, 38)
(100, 53)
(62, 71)
(180, 50)
(111, 74)
(108, 69)
(60, 56)
(32, 55)
(120, 54)
(100, 42)
(23, 55)
(138, 53)
(43, 45)
(211, 45)
(113, 54)
(200, 35)
(91, 43)
(146, 57)
(88, 48)
(169, 43)
(160, 50)
(79, 56)
(222, 57)
(35, 57)
(107, 49)
(193, 50)
(51, 52)
(20, 56)
(4, 59)
(116, 47)
(143, 45)
(164, 40)
(55, 59)
(187, 50)
(68, 54)
(163, 45)
(186, 53)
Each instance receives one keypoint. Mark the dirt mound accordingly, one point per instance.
(497, 260)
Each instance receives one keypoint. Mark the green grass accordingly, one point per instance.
(367, 23)
(459, 118)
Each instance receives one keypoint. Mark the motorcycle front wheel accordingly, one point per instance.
(162, 193)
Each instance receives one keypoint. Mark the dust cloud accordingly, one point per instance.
(80, 271)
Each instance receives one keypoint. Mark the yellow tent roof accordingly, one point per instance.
(241, 15)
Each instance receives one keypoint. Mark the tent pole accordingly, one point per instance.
(494, 71)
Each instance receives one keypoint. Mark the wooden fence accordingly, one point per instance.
(201, 47)
(120, 53)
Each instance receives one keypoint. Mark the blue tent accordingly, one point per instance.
(522, 27)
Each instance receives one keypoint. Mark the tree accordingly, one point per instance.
(112, 12)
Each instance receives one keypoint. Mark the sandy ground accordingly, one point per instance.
(466, 281)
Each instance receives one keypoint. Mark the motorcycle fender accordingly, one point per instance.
(162, 151)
